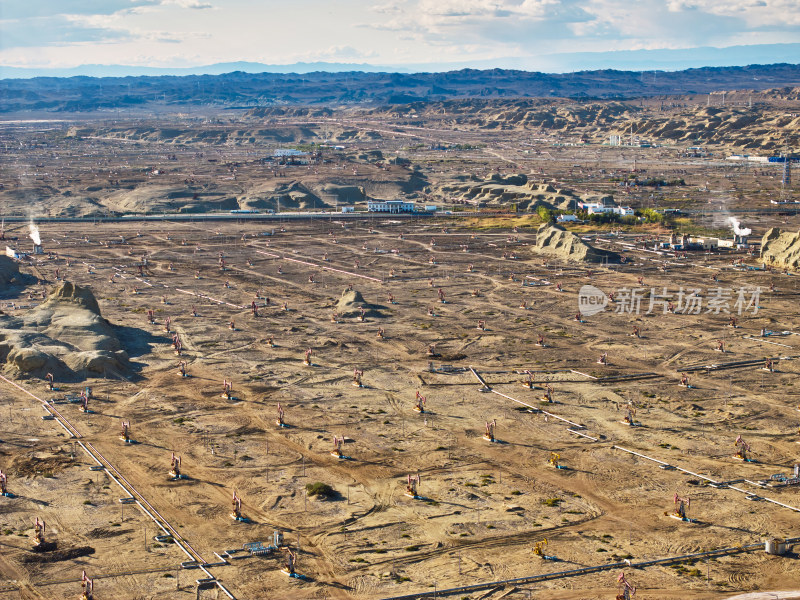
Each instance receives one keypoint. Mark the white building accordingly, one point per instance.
(599, 209)
(566, 219)
(390, 206)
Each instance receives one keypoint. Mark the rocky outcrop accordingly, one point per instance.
(65, 335)
(555, 241)
(781, 249)
(352, 301)
(10, 273)
(528, 195)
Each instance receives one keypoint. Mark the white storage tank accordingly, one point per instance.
(775, 546)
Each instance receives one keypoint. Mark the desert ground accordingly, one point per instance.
(453, 310)
(483, 505)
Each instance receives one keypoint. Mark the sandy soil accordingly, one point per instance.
(484, 505)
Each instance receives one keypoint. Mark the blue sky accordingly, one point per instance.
(175, 33)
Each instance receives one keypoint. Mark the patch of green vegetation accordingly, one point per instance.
(412, 548)
(323, 490)
(552, 501)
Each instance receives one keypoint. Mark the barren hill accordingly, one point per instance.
(65, 335)
(555, 241)
(781, 249)
(238, 89)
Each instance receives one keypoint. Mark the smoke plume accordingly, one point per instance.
(737, 229)
(35, 234)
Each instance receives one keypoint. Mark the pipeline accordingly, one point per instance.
(544, 412)
(205, 297)
(141, 502)
(714, 482)
(146, 507)
(594, 439)
(323, 267)
(730, 365)
(535, 408)
(583, 571)
(49, 408)
(763, 341)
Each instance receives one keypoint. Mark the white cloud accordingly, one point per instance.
(193, 4)
(338, 53)
(522, 26)
(21, 9)
(389, 31)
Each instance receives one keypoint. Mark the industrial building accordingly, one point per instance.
(390, 206)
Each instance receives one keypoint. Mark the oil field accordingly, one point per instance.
(538, 348)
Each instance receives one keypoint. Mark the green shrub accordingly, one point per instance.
(323, 490)
(552, 501)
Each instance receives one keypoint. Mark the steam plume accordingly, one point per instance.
(35, 234)
(737, 229)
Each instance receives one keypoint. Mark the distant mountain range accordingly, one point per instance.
(215, 69)
(249, 90)
(628, 60)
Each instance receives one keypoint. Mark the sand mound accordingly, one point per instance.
(781, 249)
(555, 241)
(277, 196)
(64, 335)
(345, 194)
(10, 275)
(350, 303)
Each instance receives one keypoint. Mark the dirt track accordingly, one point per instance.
(484, 504)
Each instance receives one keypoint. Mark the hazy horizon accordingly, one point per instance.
(547, 35)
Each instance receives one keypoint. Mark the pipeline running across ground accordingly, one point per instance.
(582, 571)
(195, 558)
